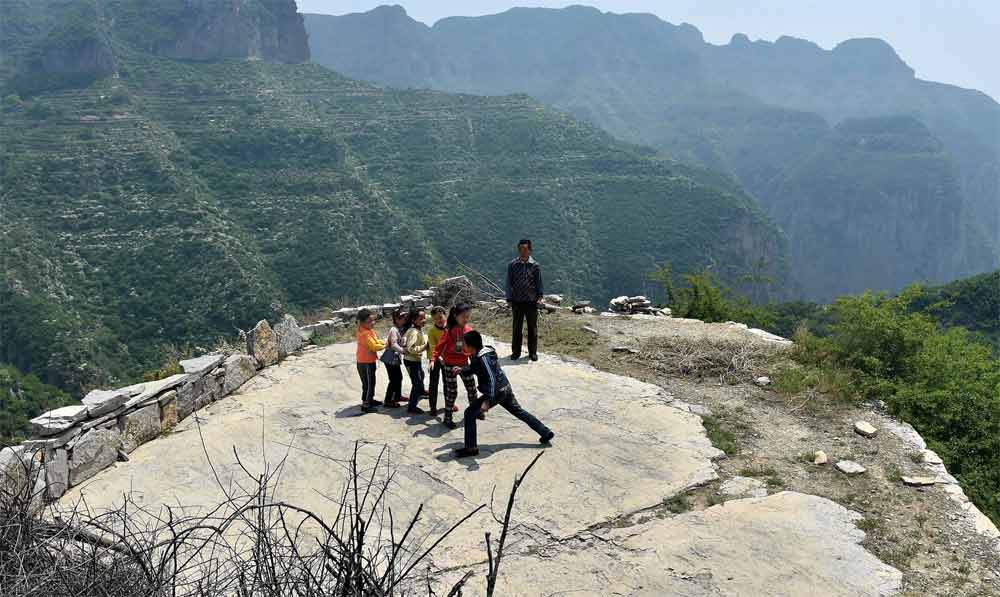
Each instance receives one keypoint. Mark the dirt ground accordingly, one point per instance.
(772, 437)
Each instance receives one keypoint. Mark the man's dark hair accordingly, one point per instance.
(473, 340)
(363, 315)
(526, 242)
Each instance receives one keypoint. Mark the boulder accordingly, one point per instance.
(96, 451)
(290, 339)
(239, 369)
(101, 402)
(168, 410)
(820, 458)
(262, 344)
(864, 428)
(58, 420)
(56, 473)
(850, 468)
(201, 365)
(138, 427)
(555, 299)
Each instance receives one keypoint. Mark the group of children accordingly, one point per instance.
(454, 351)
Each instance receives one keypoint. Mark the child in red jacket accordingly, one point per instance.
(451, 352)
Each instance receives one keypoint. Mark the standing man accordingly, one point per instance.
(524, 292)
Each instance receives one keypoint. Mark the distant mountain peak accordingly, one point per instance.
(872, 54)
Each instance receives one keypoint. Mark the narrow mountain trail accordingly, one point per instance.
(598, 515)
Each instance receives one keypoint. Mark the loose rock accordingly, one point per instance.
(763, 381)
(850, 468)
(919, 481)
(864, 428)
(625, 349)
(820, 458)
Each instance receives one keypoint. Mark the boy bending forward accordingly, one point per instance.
(494, 390)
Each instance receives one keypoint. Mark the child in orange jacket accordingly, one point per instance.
(369, 346)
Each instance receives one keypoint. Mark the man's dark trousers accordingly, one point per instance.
(524, 311)
(506, 399)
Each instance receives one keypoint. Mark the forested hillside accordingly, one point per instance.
(879, 179)
(171, 202)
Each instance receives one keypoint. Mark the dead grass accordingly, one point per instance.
(730, 361)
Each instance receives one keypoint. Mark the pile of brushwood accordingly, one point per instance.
(252, 544)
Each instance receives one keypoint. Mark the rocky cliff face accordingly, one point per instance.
(269, 30)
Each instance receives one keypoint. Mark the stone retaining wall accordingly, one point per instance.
(74, 443)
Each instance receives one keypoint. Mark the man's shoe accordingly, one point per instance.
(415, 411)
(434, 412)
(368, 408)
(547, 438)
(466, 452)
(481, 416)
(393, 404)
(534, 357)
(376, 403)
(514, 357)
(450, 424)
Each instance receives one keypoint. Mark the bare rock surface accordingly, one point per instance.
(621, 449)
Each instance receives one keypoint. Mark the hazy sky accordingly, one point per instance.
(952, 41)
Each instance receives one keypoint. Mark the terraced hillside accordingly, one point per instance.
(175, 201)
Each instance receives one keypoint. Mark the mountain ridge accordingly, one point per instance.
(658, 84)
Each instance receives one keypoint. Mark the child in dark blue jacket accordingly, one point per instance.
(494, 389)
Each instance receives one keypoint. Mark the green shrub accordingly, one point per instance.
(943, 381)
